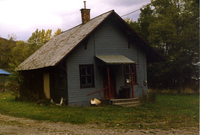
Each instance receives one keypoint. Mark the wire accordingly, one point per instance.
(130, 13)
(143, 6)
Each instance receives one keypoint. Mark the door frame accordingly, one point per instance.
(109, 82)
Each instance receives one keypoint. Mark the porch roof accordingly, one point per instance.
(114, 59)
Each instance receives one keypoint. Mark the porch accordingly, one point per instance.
(118, 76)
(124, 99)
(118, 88)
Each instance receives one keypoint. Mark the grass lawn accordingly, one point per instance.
(169, 111)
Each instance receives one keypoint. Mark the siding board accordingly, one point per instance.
(106, 40)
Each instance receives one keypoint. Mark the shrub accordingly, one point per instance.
(152, 96)
(14, 83)
(2, 87)
(143, 98)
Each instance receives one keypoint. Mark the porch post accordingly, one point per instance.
(132, 82)
(108, 72)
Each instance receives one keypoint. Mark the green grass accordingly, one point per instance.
(169, 111)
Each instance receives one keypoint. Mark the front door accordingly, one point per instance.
(112, 82)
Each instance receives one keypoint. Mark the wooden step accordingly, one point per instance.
(123, 100)
(130, 102)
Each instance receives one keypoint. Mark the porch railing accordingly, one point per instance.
(98, 91)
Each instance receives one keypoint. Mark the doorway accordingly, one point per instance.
(113, 91)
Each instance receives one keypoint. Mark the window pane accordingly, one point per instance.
(89, 70)
(128, 78)
(89, 80)
(127, 69)
(83, 81)
(86, 76)
(83, 70)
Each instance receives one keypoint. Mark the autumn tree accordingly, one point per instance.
(57, 32)
(39, 38)
(19, 53)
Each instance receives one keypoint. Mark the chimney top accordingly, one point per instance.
(84, 4)
(85, 14)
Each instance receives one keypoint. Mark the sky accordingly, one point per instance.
(20, 18)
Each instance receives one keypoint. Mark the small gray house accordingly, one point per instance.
(99, 58)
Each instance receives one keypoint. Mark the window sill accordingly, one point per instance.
(83, 87)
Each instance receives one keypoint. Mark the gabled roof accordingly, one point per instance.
(59, 46)
(51, 53)
(2, 72)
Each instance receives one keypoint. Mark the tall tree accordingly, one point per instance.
(19, 53)
(171, 27)
(38, 39)
(174, 33)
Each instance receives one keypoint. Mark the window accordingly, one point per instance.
(86, 76)
(127, 74)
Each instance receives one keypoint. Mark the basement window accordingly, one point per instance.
(86, 76)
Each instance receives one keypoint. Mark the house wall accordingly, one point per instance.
(109, 40)
(105, 40)
(32, 85)
(58, 83)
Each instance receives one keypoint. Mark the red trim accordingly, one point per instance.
(135, 73)
(97, 91)
(108, 72)
(132, 82)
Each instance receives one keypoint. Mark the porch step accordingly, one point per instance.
(130, 102)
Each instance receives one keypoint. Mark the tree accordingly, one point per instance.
(174, 33)
(5, 52)
(19, 53)
(171, 27)
(39, 38)
(141, 27)
(57, 32)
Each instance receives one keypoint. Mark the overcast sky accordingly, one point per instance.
(23, 17)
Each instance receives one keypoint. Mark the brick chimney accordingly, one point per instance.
(85, 14)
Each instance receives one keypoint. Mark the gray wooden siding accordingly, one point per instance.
(106, 40)
(77, 95)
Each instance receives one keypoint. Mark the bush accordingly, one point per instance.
(143, 98)
(14, 83)
(2, 87)
(150, 98)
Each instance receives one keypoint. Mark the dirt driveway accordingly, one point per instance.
(22, 126)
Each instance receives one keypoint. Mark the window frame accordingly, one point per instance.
(86, 76)
(133, 66)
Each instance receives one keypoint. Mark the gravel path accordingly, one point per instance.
(22, 126)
